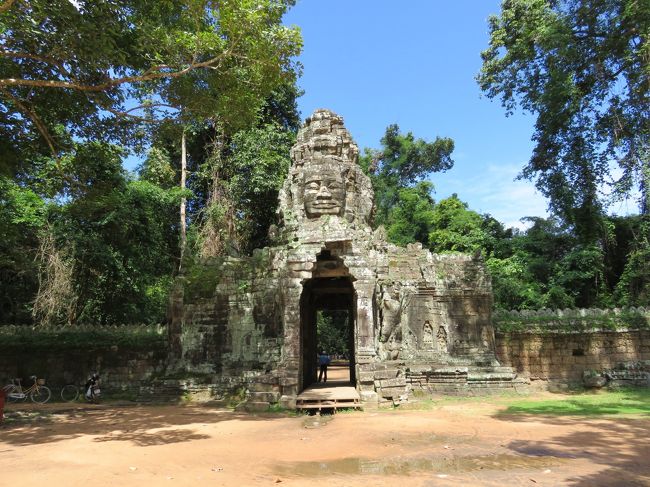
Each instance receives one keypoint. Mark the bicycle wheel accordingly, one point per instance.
(13, 393)
(42, 395)
(70, 393)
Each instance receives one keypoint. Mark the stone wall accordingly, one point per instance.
(561, 358)
(123, 371)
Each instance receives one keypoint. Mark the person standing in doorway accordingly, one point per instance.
(323, 362)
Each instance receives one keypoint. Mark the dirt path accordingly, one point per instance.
(464, 443)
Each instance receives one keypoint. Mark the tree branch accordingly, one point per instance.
(28, 55)
(128, 114)
(5, 6)
(42, 129)
(150, 74)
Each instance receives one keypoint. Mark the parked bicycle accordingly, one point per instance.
(70, 393)
(91, 391)
(91, 388)
(37, 392)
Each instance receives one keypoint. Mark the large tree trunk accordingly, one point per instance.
(645, 184)
(183, 201)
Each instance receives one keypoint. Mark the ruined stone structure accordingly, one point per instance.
(417, 320)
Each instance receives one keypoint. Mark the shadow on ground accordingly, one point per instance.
(619, 444)
(141, 425)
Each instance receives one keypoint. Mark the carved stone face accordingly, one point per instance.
(324, 192)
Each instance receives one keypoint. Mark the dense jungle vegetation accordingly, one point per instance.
(205, 92)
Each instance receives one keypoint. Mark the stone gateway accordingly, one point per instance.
(417, 321)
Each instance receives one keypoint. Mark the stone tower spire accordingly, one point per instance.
(325, 179)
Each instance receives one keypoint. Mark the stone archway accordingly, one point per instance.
(331, 289)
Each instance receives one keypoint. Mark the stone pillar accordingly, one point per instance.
(365, 321)
(291, 359)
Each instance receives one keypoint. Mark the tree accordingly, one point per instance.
(402, 162)
(410, 219)
(333, 331)
(22, 218)
(456, 228)
(234, 174)
(583, 68)
(99, 70)
(122, 250)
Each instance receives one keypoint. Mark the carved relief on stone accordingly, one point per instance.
(325, 178)
(441, 337)
(487, 337)
(391, 314)
(427, 336)
(324, 190)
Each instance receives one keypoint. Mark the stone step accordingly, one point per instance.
(262, 387)
(264, 396)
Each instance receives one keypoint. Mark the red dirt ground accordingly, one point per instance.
(455, 443)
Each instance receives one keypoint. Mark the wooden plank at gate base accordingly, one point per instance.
(322, 406)
(323, 396)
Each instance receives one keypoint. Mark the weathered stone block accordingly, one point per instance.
(386, 374)
(288, 402)
(392, 392)
(264, 396)
(397, 382)
(366, 377)
(288, 381)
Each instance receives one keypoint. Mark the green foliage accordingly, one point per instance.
(123, 252)
(22, 217)
(455, 228)
(258, 166)
(629, 319)
(410, 219)
(333, 331)
(73, 70)
(548, 266)
(633, 288)
(402, 162)
(157, 168)
(582, 69)
(70, 74)
(513, 285)
(201, 278)
(152, 337)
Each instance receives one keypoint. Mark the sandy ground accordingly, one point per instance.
(456, 443)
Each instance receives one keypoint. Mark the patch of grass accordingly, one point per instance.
(19, 417)
(621, 402)
(278, 409)
(236, 397)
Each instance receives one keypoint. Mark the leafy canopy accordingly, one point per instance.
(402, 162)
(583, 68)
(99, 70)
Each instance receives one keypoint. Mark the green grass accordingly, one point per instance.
(622, 402)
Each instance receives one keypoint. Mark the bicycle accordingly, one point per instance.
(70, 393)
(91, 391)
(37, 392)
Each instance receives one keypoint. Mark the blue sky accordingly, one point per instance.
(414, 63)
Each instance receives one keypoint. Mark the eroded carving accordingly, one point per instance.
(324, 178)
(324, 190)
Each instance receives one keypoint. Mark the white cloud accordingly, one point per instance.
(493, 189)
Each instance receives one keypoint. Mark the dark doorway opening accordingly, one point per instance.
(327, 315)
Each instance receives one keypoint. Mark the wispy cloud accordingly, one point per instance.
(493, 189)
